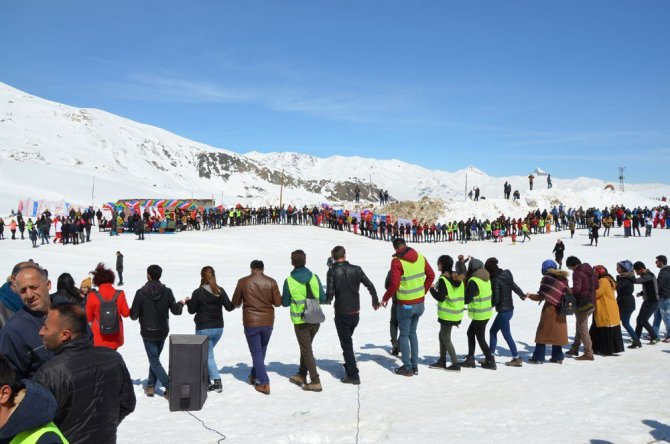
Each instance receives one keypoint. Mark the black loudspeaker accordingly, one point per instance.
(188, 372)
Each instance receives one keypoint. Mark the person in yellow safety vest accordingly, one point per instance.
(411, 278)
(478, 295)
(449, 292)
(294, 295)
(26, 410)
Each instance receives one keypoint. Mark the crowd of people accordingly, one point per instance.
(58, 350)
(75, 228)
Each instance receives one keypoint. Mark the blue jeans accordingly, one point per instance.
(258, 339)
(408, 319)
(662, 312)
(541, 349)
(625, 321)
(156, 370)
(213, 334)
(501, 322)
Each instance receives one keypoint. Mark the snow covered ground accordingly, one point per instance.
(616, 399)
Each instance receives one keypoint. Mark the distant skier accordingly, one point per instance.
(530, 181)
(549, 184)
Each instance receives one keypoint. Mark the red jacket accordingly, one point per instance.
(410, 255)
(93, 315)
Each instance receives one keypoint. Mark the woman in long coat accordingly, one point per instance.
(553, 328)
(605, 331)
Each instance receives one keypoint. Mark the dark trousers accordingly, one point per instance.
(258, 339)
(305, 334)
(393, 323)
(477, 329)
(446, 346)
(156, 370)
(345, 326)
(120, 272)
(625, 321)
(646, 310)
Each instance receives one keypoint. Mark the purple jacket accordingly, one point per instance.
(584, 283)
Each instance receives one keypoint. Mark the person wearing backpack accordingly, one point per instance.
(298, 287)
(105, 308)
(152, 305)
(584, 286)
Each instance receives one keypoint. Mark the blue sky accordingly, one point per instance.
(574, 87)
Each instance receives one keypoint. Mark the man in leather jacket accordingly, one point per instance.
(259, 295)
(343, 283)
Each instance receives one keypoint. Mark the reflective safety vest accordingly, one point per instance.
(33, 435)
(298, 292)
(451, 309)
(480, 309)
(412, 279)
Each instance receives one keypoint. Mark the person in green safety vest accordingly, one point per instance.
(478, 294)
(411, 278)
(294, 295)
(26, 410)
(449, 292)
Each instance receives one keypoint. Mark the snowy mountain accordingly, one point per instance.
(53, 151)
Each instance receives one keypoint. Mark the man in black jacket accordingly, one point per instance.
(91, 385)
(343, 283)
(650, 296)
(152, 305)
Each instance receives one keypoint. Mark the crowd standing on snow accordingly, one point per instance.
(76, 227)
(58, 350)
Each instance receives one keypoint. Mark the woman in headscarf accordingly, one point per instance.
(625, 287)
(552, 329)
(606, 328)
(207, 303)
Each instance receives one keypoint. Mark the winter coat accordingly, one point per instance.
(152, 306)
(34, 408)
(258, 294)
(343, 283)
(119, 262)
(625, 287)
(649, 286)
(21, 343)
(553, 328)
(107, 291)
(606, 309)
(502, 284)
(410, 255)
(663, 281)
(584, 284)
(559, 251)
(208, 307)
(93, 390)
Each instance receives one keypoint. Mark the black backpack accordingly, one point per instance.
(109, 314)
(568, 303)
